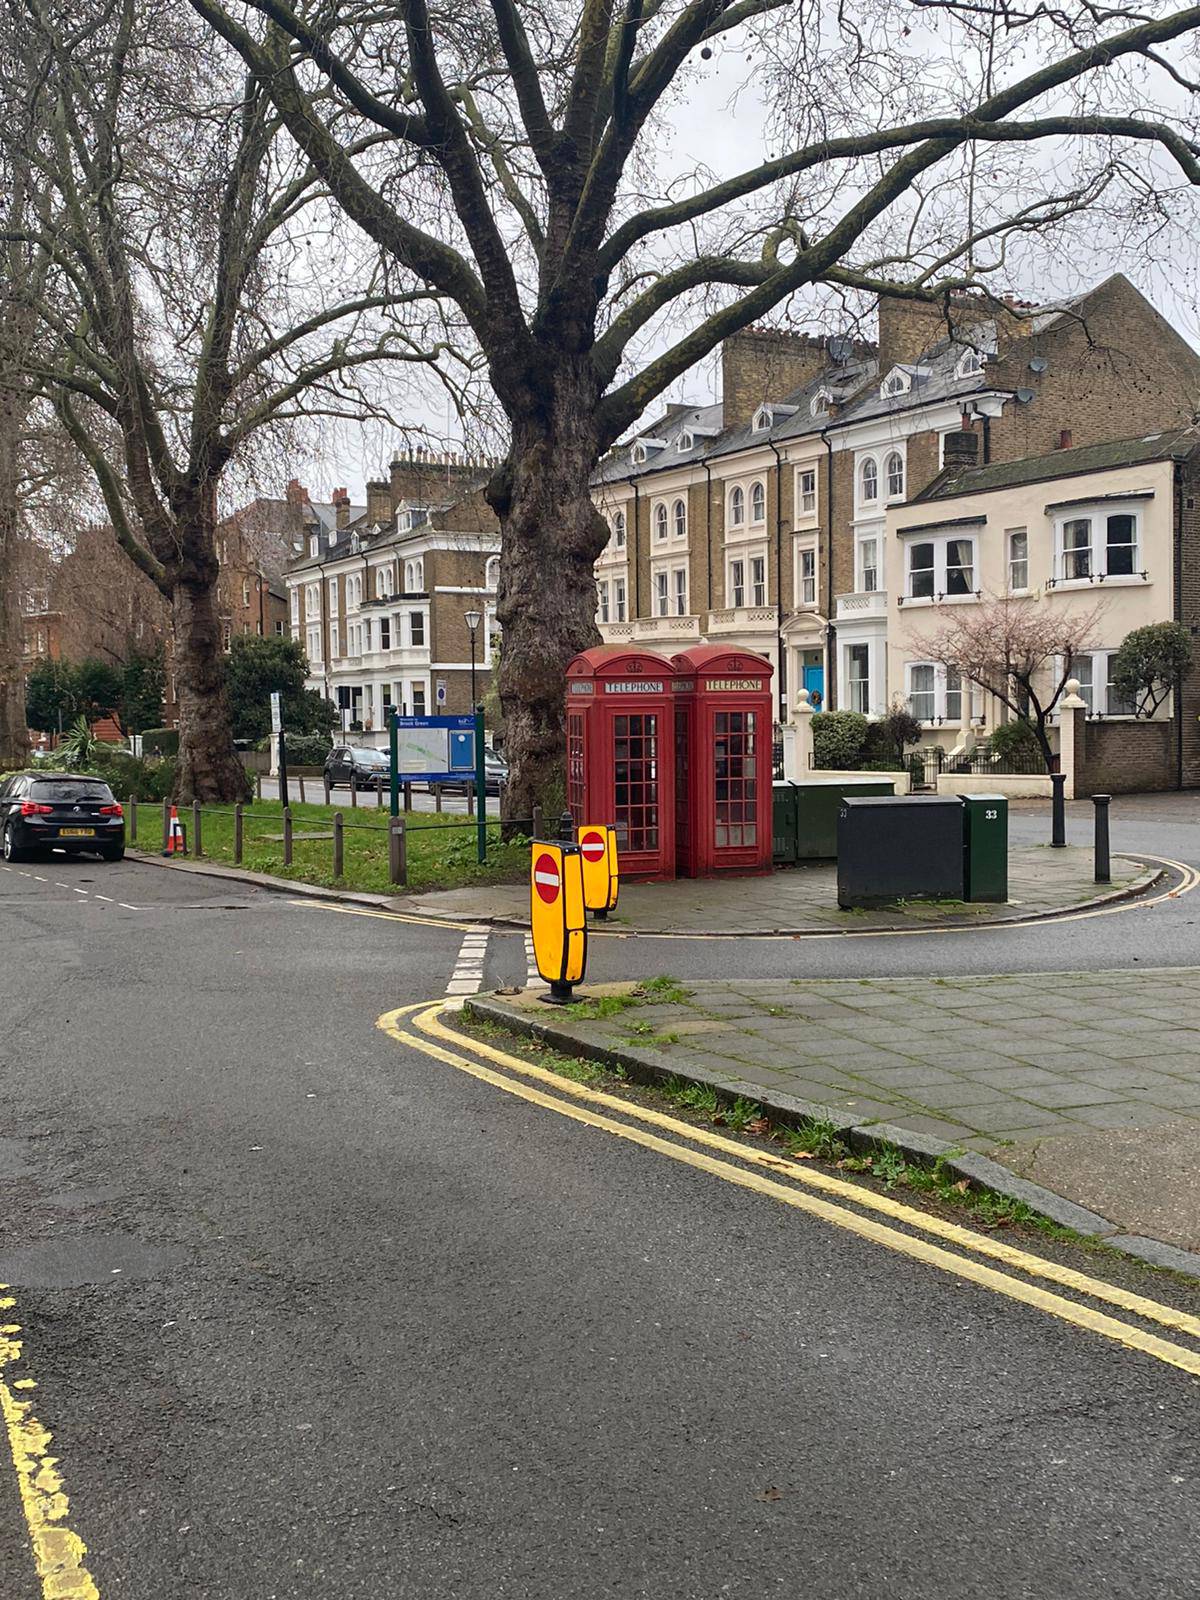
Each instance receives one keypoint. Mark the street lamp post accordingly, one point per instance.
(473, 619)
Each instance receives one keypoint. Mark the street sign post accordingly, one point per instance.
(598, 848)
(276, 712)
(558, 917)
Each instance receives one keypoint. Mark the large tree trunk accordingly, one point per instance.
(14, 736)
(208, 766)
(551, 535)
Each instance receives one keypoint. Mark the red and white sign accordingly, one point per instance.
(593, 846)
(546, 878)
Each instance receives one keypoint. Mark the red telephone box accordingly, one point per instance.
(727, 713)
(621, 753)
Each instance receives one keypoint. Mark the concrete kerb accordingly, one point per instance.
(266, 880)
(981, 1172)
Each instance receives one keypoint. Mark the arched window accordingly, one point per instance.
(491, 578)
(895, 476)
(660, 522)
(869, 479)
(970, 365)
(679, 514)
(737, 508)
(619, 529)
(758, 503)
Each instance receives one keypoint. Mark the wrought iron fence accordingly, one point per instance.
(982, 762)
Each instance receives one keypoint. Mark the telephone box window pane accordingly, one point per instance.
(635, 781)
(575, 765)
(735, 780)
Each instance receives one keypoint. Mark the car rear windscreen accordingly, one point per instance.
(57, 791)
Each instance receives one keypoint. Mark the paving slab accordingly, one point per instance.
(1117, 1138)
(798, 901)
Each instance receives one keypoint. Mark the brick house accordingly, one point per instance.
(763, 520)
(380, 593)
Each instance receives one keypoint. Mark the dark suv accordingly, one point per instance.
(371, 769)
(59, 811)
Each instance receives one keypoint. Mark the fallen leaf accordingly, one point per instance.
(771, 1493)
(758, 1125)
(961, 1186)
(803, 1155)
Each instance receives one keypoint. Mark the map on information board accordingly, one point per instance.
(435, 749)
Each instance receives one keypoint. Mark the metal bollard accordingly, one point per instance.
(239, 825)
(353, 790)
(398, 850)
(339, 847)
(1058, 812)
(326, 782)
(1101, 851)
(379, 793)
(437, 797)
(197, 841)
(287, 836)
(566, 828)
(132, 820)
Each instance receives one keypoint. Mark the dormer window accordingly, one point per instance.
(897, 382)
(642, 448)
(638, 454)
(821, 402)
(970, 364)
(354, 543)
(314, 545)
(764, 418)
(686, 441)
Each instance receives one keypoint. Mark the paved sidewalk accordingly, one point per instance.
(804, 899)
(1088, 1084)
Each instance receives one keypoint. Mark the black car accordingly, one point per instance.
(59, 811)
(371, 769)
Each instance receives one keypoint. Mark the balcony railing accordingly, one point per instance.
(862, 607)
(743, 619)
(650, 628)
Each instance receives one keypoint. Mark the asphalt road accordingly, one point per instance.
(313, 1314)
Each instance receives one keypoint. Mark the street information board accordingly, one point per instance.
(435, 749)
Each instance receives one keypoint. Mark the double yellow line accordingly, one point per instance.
(908, 1231)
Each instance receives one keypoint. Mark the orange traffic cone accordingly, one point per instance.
(175, 844)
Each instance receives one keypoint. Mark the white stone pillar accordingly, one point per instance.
(798, 740)
(1072, 708)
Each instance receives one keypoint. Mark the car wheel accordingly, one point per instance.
(113, 852)
(12, 850)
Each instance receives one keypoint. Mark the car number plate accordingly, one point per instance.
(77, 833)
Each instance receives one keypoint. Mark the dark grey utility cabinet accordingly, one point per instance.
(899, 848)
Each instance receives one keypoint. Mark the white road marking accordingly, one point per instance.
(533, 978)
(124, 907)
(467, 977)
(58, 885)
(37, 879)
(78, 891)
(106, 897)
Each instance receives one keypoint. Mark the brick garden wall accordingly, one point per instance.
(1127, 758)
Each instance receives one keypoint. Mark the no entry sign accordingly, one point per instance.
(598, 847)
(546, 878)
(594, 845)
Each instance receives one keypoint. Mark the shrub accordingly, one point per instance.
(838, 738)
(308, 749)
(1013, 738)
(160, 742)
(1148, 663)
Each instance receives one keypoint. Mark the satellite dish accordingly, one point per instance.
(840, 348)
(1024, 396)
(1038, 364)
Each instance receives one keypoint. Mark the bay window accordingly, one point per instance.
(938, 568)
(758, 503)
(660, 522)
(1094, 545)
(868, 565)
(868, 481)
(416, 628)
(736, 587)
(618, 590)
(920, 571)
(1103, 699)
(895, 476)
(922, 691)
(661, 593)
(960, 566)
(938, 694)
(679, 587)
(602, 602)
(1018, 560)
(758, 580)
(679, 519)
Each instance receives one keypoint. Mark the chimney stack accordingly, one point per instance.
(961, 448)
(296, 493)
(341, 506)
(379, 501)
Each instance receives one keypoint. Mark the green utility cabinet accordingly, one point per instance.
(818, 801)
(783, 823)
(985, 846)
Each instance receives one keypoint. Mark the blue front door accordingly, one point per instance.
(814, 682)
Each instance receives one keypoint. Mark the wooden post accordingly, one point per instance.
(238, 830)
(537, 822)
(437, 797)
(325, 780)
(339, 859)
(470, 797)
(408, 797)
(132, 820)
(398, 850)
(287, 836)
(197, 842)
(353, 789)
(166, 824)
(258, 785)
(379, 797)
(300, 780)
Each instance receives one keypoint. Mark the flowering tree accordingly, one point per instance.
(1023, 651)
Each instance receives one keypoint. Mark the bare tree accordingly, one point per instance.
(1023, 651)
(187, 310)
(533, 197)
